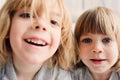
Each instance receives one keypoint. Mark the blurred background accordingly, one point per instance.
(76, 7)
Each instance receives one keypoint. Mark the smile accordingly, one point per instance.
(35, 42)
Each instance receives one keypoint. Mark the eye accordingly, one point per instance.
(25, 15)
(54, 22)
(87, 40)
(106, 40)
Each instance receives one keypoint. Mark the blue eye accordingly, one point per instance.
(25, 15)
(87, 40)
(106, 40)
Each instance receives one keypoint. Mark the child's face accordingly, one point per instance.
(98, 52)
(35, 41)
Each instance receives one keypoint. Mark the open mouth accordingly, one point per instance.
(35, 42)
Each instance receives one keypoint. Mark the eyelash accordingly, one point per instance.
(87, 40)
(53, 22)
(104, 40)
(25, 15)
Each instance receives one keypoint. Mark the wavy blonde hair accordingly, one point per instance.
(63, 57)
(98, 20)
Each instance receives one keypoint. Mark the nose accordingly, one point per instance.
(38, 27)
(97, 47)
(40, 24)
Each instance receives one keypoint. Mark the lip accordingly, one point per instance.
(36, 39)
(98, 61)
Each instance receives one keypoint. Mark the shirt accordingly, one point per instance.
(45, 73)
(84, 74)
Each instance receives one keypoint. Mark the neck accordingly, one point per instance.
(101, 76)
(25, 71)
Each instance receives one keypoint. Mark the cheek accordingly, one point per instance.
(14, 36)
(113, 55)
(83, 53)
(15, 32)
(57, 36)
(115, 50)
(84, 49)
(18, 28)
(15, 28)
(55, 39)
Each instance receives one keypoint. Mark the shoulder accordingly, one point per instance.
(7, 72)
(81, 71)
(2, 72)
(118, 73)
(115, 75)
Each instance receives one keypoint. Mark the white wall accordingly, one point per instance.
(2, 3)
(76, 7)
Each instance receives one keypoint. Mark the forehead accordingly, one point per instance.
(54, 8)
(39, 5)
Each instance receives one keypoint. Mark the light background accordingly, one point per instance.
(2, 3)
(76, 7)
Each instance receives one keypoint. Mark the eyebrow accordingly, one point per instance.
(25, 9)
(56, 14)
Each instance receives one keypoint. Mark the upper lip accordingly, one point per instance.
(37, 39)
(99, 59)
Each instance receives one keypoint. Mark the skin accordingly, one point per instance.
(99, 53)
(28, 57)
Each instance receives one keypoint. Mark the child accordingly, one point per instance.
(35, 40)
(97, 35)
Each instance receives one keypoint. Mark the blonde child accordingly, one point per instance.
(35, 40)
(97, 35)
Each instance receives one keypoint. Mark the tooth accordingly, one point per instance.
(36, 42)
(29, 40)
(43, 43)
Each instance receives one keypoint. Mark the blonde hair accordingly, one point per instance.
(63, 57)
(98, 20)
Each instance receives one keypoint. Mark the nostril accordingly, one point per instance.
(94, 51)
(40, 28)
(44, 29)
(97, 51)
(36, 27)
(100, 51)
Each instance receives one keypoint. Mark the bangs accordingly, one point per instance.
(39, 7)
(36, 7)
(19, 4)
(98, 21)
